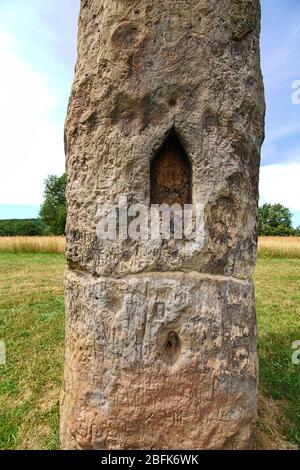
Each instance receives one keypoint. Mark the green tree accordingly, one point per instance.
(275, 219)
(53, 211)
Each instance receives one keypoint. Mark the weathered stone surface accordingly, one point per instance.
(161, 337)
(168, 65)
(160, 361)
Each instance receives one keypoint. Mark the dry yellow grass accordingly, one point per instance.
(32, 244)
(279, 247)
(268, 247)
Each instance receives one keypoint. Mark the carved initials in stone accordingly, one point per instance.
(158, 311)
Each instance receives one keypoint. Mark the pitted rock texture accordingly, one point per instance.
(145, 67)
(161, 336)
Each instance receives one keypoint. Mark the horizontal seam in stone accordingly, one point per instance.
(195, 274)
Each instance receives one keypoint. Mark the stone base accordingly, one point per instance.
(159, 361)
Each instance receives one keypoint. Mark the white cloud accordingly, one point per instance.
(279, 183)
(31, 144)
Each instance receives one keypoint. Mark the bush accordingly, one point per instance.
(21, 227)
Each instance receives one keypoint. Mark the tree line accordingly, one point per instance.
(274, 219)
(52, 216)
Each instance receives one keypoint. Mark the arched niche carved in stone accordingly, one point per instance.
(171, 174)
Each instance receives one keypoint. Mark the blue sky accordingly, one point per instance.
(38, 53)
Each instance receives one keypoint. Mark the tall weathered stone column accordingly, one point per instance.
(167, 106)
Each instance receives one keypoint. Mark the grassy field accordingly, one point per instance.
(268, 247)
(277, 286)
(32, 325)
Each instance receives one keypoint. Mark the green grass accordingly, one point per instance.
(32, 325)
(277, 283)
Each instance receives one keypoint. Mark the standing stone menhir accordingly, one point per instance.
(167, 106)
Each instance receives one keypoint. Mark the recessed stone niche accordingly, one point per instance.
(171, 174)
